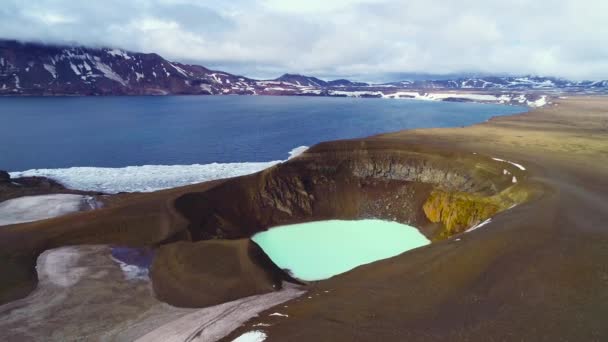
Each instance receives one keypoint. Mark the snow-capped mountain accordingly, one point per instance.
(36, 69)
(506, 82)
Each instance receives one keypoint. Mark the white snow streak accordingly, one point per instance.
(278, 314)
(51, 69)
(519, 166)
(109, 73)
(479, 225)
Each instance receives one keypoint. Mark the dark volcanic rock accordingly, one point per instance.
(4, 177)
(32, 186)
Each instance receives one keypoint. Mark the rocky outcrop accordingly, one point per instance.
(458, 211)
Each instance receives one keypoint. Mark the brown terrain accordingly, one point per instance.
(535, 272)
(32, 186)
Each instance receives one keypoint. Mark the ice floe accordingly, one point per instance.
(144, 178)
(148, 178)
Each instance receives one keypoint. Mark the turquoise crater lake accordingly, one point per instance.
(319, 250)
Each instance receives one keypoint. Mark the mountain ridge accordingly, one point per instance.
(47, 70)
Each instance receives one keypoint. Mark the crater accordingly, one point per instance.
(440, 193)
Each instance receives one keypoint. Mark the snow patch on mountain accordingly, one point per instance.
(538, 103)
(109, 73)
(118, 53)
(180, 70)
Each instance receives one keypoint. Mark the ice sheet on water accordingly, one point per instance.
(148, 178)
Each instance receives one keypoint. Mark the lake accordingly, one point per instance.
(220, 135)
(319, 250)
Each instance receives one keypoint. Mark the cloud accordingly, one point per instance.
(357, 38)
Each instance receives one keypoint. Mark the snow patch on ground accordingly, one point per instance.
(215, 322)
(519, 166)
(251, 336)
(278, 314)
(34, 208)
(58, 266)
(132, 272)
(147, 178)
(538, 103)
(479, 225)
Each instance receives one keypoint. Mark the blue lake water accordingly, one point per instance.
(60, 132)
(319, 250)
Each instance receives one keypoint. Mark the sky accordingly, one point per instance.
(366, 40)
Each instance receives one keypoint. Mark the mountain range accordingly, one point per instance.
(46, 70)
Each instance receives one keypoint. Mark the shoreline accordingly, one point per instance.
(465, 96)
